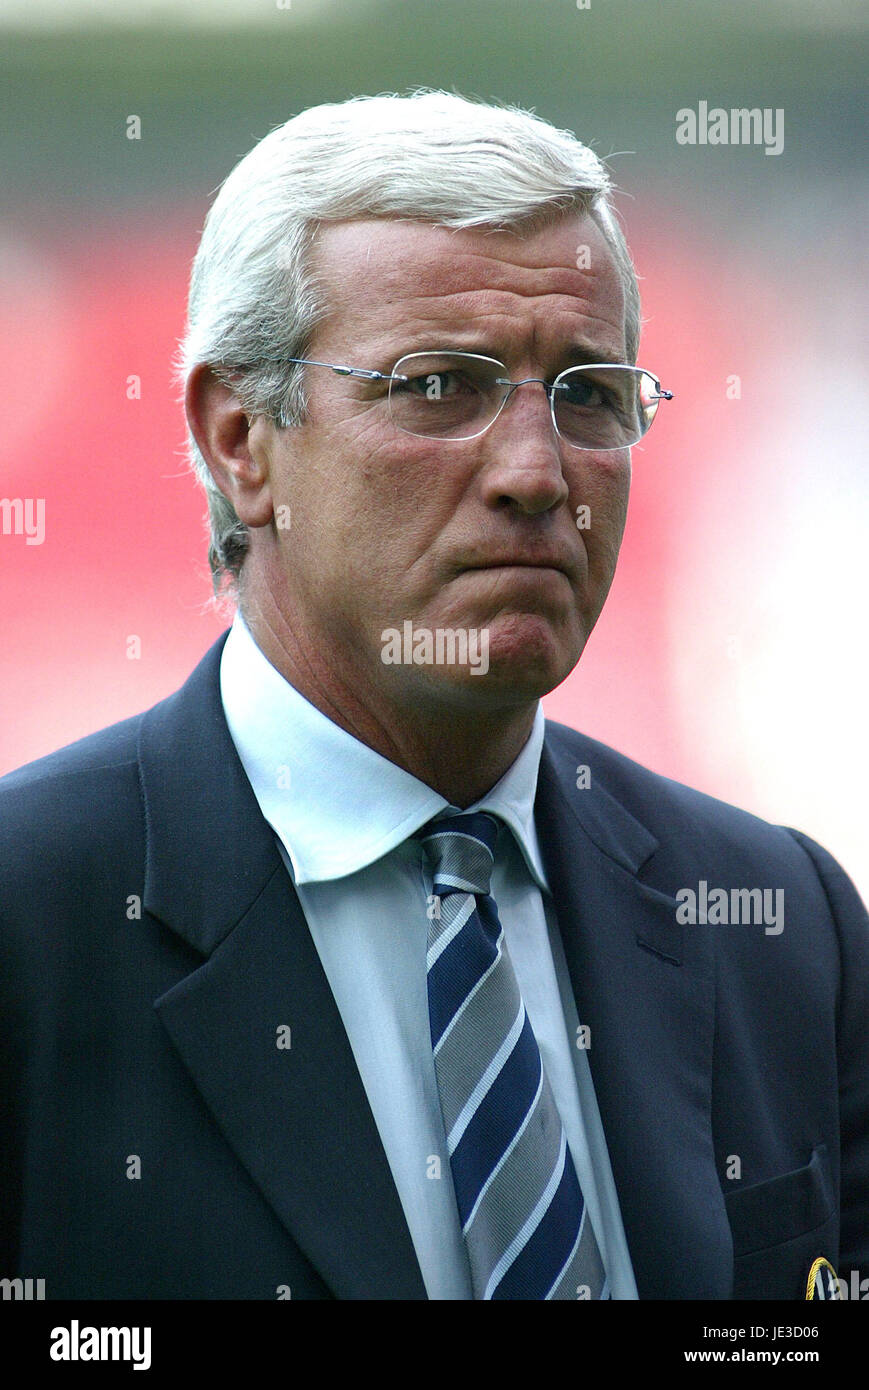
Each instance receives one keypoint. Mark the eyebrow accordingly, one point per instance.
(583, 353)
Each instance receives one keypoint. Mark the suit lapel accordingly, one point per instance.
(644, 985)
(297, 1116)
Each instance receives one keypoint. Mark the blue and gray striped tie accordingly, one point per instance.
(523, 1217)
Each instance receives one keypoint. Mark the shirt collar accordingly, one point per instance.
(336, 804)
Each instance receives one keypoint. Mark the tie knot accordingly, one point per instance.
(461, 852)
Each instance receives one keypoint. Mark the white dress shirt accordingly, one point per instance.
(343, 815)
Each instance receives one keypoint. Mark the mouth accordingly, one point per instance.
(515, 563)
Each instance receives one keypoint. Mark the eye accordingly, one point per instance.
(583, 391)
(436, 386)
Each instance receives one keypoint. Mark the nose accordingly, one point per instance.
(523, 453)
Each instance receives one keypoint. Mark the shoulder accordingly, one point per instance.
(691, 827)
(75, 770)
(721, 865)
(68, 818)
(77, 791)
(653, 798)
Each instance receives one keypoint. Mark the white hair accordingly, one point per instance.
(429, 156)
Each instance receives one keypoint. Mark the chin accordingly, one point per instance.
(513, 662)
(533, 647)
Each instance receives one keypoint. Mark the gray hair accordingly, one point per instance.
(429, 156)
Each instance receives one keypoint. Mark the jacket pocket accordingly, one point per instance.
(780, 1226)
(779, 1209)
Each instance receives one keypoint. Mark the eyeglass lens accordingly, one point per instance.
(458, 395)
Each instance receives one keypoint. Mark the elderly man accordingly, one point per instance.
(342, 973)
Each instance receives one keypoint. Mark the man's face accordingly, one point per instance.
(478, 534)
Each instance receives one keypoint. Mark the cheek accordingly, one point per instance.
(599, 500)
(366, 509)
(406, 487)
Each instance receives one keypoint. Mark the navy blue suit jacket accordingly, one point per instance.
(731, 1066)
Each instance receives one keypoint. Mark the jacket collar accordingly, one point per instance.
(209, 851)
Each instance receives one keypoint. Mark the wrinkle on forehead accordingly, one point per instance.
(387, 277)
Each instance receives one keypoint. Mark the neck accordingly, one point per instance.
(457, 751)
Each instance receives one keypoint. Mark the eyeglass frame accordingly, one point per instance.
(368, 374)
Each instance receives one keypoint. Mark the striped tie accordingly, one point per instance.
(523, 1217)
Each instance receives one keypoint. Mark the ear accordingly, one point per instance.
(222, 430)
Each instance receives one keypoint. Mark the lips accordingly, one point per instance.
(519, 562)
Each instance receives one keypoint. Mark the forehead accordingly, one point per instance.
(404, 285)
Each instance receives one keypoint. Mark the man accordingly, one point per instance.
(341, 973)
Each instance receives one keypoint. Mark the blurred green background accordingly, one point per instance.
(209, 77)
